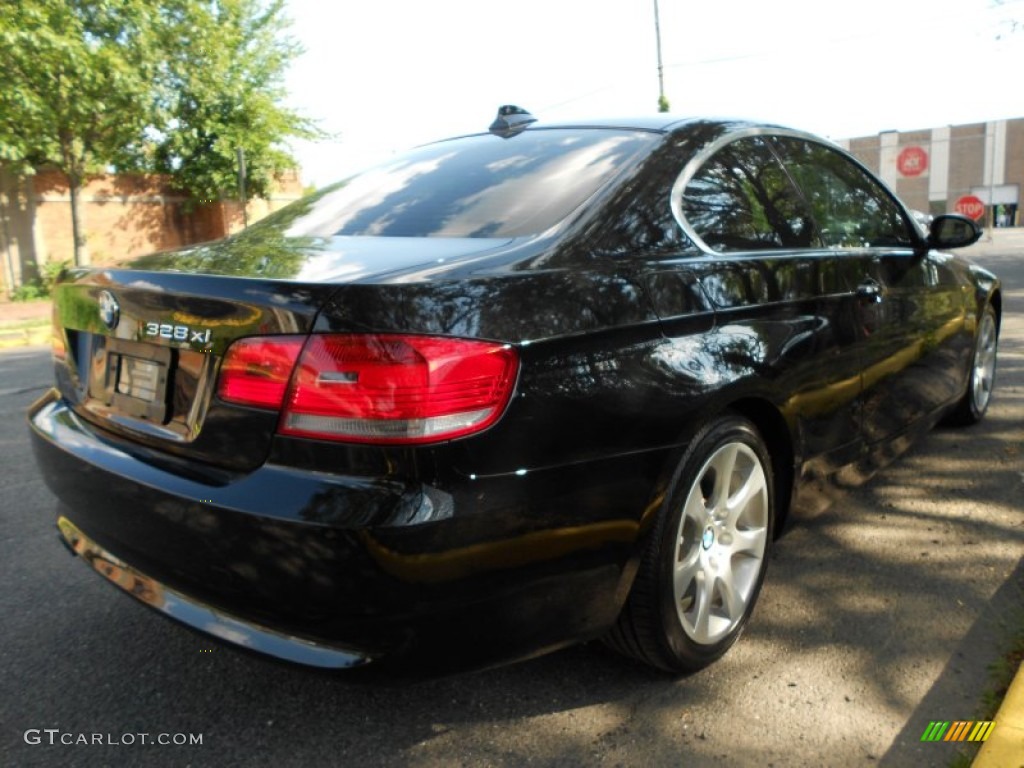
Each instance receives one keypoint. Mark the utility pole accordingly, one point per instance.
(663, 105)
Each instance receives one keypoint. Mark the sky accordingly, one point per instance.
(384, 75)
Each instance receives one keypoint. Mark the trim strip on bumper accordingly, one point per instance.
(202, 617)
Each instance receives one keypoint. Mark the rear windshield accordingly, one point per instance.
(477, 186)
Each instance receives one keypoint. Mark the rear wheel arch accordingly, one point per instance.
(655, 625)
(777, 436)
(775, 432)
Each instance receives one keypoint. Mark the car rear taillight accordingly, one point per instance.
(397, 389)
(256, 371)
(374, 388)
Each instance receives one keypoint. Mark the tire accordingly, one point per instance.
(982, 376)
(701, 573)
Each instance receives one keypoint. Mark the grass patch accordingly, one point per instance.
(1001, 674)
(1003, 671)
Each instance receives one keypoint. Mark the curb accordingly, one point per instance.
(1005, 747)
(35, 335)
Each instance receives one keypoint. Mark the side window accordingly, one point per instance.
(851, 208)
(742, 200)
(639, 217)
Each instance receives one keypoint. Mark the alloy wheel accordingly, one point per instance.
(983, 373)
(721, 543)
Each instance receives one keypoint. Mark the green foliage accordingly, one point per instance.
(50, 274)
(220, 90)
(174, 86)
(29, 291)
(41, 286)
(663, 105)
(76, 80)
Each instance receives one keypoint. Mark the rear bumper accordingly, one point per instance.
(202, 617)
(336, 571)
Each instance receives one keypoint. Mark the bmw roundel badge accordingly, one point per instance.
(110, 310)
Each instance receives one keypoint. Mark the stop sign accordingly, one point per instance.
(912, 161)
(971, 206)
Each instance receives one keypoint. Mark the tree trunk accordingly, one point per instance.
(77, 225)
(6, 187)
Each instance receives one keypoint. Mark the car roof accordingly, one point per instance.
(656, 123)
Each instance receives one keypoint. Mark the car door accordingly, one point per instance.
(784, 317)
(924, 311)
(910, 308)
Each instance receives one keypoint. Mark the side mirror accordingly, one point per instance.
(951, 230)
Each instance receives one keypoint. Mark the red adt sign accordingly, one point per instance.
(970, 206)
(912, 161)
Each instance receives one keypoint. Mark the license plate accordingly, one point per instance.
(128, 378)
(140, 379)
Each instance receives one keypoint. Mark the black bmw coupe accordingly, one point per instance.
(507, 392)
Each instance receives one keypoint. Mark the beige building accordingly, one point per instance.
(980, 166)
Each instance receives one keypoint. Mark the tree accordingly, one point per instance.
(221, 87)
(76, 88)
(172, 86)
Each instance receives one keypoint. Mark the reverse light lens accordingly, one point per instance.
(256, 371)
(397, 389)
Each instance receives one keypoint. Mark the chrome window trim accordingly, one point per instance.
(698, 160)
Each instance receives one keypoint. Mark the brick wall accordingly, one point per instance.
(123, 216)
(966, 159)
(976, 158)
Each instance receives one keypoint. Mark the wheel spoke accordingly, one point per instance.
(723, 463)
(688, 540)
(748, 541)
(683, 578)
(687, 557)
(695, 509)
(754, 485)
(745, 567)
(702, 618)
(733, 603)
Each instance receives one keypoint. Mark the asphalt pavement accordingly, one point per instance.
(879, 615)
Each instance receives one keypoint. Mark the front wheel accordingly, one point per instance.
(972, 407)
(701, 574)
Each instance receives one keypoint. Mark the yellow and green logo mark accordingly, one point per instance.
(958, 730)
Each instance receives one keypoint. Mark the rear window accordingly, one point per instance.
(477, 186)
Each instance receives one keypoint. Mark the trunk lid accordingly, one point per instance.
(142, 345)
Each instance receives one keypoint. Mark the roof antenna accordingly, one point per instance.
(511, 120)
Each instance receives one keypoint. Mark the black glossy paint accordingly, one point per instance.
(524, 537)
